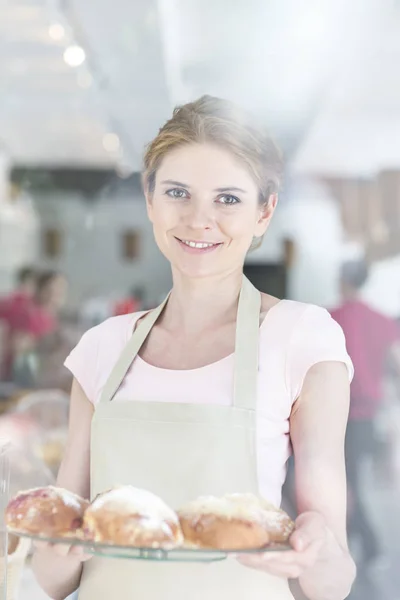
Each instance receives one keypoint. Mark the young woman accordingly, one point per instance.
(205, 394)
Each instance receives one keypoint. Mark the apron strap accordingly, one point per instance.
(246, 349)
(130, 352)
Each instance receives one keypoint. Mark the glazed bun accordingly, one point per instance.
(47, 511)
(233, 522)
(127, 516)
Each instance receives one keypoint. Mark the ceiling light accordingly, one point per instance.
(124, 171)
(111, 142)
(74, 56)
(56, 32)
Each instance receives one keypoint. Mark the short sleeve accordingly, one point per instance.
(83, 360)
(317, 337)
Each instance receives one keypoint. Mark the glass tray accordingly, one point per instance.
(156, 554)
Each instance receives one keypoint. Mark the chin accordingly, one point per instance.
(195, 273)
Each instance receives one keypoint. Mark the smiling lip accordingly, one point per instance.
(196, 247)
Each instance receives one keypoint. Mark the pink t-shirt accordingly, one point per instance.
(293, 337)
(369, 336)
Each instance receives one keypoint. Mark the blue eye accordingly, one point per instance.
(228, 199)
(177, 193)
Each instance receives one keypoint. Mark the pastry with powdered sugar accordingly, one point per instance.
(46, 511)
(129, 516)
(234, 522)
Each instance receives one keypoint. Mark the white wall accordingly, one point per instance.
(91, 258)
(18, 230)
(311, 219)
(382, 290)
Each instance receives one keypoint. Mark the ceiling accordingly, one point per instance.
(357, 130)
(276, 57)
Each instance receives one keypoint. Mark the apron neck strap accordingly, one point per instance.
(130, 352)
(246, 349)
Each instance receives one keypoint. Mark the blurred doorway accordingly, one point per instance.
(269, 278)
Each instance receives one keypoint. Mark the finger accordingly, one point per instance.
(267, 558)
(286, 559)
(287, 556)
(294, 556)
(79, 552)
(265, 561)
(76, 550)
(310, 527)
(276, 568)
(40, 545)
(86, 557)
(61, 549)
(304, 559)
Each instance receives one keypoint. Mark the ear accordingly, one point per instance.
(149, 201)
(265, 215)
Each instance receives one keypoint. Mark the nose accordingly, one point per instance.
(199, 216)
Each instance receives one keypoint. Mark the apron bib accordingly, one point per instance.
(179, 452)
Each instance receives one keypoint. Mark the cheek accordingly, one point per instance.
(161, 211)
(162, 220)
(239, 226)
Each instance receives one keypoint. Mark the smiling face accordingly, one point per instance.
(205, 210)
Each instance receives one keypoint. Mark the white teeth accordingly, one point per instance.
(197, 244)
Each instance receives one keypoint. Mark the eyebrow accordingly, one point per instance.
(220, 190)
(230, 189)
(178, 183)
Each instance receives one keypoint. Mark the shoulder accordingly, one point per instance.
(314, 337)
(114, 328)
(314, 326)
(311, 315)
(98, 349)
(299, 315)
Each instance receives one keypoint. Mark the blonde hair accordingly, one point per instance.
(220, 122)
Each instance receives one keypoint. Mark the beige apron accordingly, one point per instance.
(180, 451)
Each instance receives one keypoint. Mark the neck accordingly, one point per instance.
(200, 304)
(351, 296)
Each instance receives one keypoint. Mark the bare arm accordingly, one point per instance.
(318, 426)
(58, 574)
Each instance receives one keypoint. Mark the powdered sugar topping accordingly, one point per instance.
(68, 498)
(237, 506)
(130, 500)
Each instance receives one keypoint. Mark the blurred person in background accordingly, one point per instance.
(50, 297)
(51, 342)
(38, 333)
(371, 339)
(132, 303)
(15, 311)
(213, 363)
(22, 296)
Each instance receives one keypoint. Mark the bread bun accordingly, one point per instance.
(233, 522)
(47, 511)
(128, 516)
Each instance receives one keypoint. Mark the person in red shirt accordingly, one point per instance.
(371, 338)
(29, 322)
(14, 311)
(132, 303)
(21, 297)
(42, 318)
